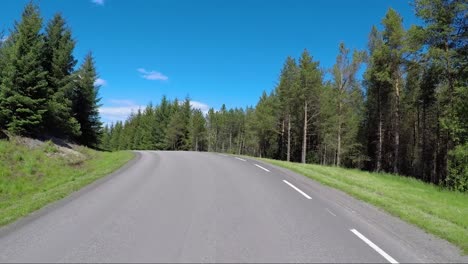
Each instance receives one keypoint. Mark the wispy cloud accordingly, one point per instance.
(98, 2)
(152, 75)
(118, 110)
(201, 106)
(100, 82)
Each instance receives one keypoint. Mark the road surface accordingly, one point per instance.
(208, 207)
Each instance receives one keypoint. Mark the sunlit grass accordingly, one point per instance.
(30, 179)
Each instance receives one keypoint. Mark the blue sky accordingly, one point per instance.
(214, 51)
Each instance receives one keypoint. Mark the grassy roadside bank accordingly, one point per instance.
(31, 178)
(438, 211)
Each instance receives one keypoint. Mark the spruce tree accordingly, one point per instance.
(85, 104)
(59, 63)
(198, 130)
(23, 85)
(162, 118)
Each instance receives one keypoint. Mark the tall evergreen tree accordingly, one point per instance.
(394, 48)
(198, 130)
(347, 100)
(445, 38)
(378, 102)
(308, 95)
(23, 85)
(287, 91)
(162, 118)
(59, 63)
(85, 103)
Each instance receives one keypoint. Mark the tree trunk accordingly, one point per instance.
(325, 155)
(424, 146)
(338, 147)
(379, 146)
(288, 148)
(281, 143)
(397, 126)
(304, 137)
(230, 141)
(240, 144)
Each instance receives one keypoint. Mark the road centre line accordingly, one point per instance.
(330, 212)
(374, 246)
(297, 189)
(265, 169)
(240, 158)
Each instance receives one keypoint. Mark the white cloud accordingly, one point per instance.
(98, 2)
(118, 111)
(100, 82)
(199, 105)
(152, 75)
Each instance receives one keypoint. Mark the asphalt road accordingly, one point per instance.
(208, 207)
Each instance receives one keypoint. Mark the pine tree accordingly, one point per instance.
(286, 91)
(309, 96)
(85, 102)
(378, 102)
(116, 136)
(106, 137)
(177, 134)
(162, 118)
(394, 48)
(23, 85)
(59, 63)
(2, 51)
(445, 38)
(212, 130)
(347, 100)
(198, 130)
(264, 124)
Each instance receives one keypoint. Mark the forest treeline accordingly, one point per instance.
(408, 115)
(41, 92)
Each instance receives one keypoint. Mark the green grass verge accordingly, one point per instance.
(31, 179)
(439, 211)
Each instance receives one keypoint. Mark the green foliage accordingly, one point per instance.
(177, 134)
(59, 63)
(198, 130)
(38, 82)
(458, 168)
(49, 147)
(23, 83)
(85, 104)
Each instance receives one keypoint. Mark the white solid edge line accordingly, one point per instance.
(330, 212)
(262, 167)
(240, 158)
(374, 246)
(297, 189)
